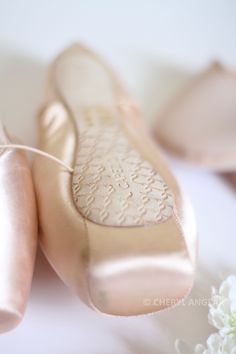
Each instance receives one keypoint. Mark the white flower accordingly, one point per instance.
(222, 309)
(216, 344)
(222, 315)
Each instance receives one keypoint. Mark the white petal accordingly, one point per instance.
(232, 280)
(224, 306)
(225, 331)
(199, 349)
(182, 347)
(233, 306)
(213, 291)
(229, 344)
(224, 288)
(228, 284)
(214, 342)
(232, 294)
(216, 319)
(215, 301)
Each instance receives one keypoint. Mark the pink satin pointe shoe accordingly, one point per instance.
(18, 233)
(115, 225)
(199, 125)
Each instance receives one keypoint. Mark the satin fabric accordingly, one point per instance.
(18, 233)
(199, 123)
(116, 270)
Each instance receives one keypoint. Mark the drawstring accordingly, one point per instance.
(37, 151)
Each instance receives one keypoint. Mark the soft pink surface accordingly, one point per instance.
(55, 321)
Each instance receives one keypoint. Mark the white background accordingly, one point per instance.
(155, 46)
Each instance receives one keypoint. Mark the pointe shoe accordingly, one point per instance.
(18, 233)
(118, 230)
(199, 125)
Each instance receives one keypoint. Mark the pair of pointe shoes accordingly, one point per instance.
(114, 223)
